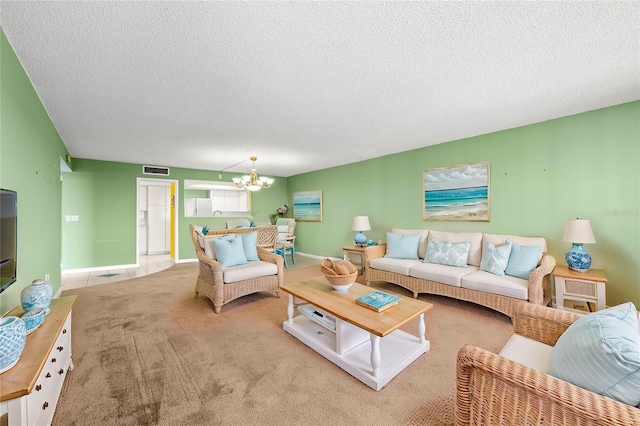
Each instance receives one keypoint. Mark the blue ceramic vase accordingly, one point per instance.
(577, 258)
(37, 296)
(13, 336)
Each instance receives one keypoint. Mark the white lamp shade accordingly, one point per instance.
(578, 231)
(361, 223)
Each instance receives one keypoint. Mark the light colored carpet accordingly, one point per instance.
(147, 352)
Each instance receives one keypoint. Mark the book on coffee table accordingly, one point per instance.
(378, 301)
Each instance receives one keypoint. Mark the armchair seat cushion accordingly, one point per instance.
(248, 271)
(445, 274)
(528, 352)
(505, 285)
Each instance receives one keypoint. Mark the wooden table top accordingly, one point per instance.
(319, 293)
(21, 378)
(590, 275)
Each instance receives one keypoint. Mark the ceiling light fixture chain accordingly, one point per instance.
(252, 182)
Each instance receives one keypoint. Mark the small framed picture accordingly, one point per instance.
(307, 206)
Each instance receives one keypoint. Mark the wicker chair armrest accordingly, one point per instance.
(490, 389)
(373, 252)
(214, 265)
(268, 256)
(541, 278)
(541, 323)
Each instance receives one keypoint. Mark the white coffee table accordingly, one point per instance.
(366, 344)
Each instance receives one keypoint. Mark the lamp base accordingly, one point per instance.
(578, 259)
(360, 239)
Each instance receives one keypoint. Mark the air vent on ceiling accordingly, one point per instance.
(155, 170)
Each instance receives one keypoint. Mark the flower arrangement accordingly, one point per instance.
(282, 210)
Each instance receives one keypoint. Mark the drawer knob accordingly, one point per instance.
(60, 348)
(45, 405)
(48, 375)
(64, 331)
(53, 360)
(61, 371)
(38, 387)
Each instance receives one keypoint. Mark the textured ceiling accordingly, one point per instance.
(310, 85)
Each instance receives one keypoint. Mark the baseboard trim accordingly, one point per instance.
(99, 268)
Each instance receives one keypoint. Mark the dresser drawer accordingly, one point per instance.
(41, 403)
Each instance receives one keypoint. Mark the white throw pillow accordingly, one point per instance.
(495, 259)
(447, 253)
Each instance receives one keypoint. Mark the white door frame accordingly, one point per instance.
(162, 182)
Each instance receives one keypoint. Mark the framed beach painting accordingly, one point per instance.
(457, 193)
(307, 206)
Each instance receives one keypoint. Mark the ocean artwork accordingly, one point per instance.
(457, 193)
(307, 206)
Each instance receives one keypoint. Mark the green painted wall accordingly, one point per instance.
(584, 165)
(103, 195)
(30, 152)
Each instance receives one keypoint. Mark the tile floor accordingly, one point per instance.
(148, 265)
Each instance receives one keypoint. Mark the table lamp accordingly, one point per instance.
(361, 223)
(578, 232)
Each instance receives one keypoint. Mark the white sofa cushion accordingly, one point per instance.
(248, 271)
(498, 240)
(528, 352)
(475, 238)
(445, 274)
(399, 266)
(506, 285)
(422, 245)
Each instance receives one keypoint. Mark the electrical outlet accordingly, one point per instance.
(75, 218)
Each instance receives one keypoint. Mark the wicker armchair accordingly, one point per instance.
(210, 276)
(492, 390)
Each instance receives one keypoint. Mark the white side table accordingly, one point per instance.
(586, 288)
(355, 255)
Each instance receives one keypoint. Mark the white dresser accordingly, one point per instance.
(32, 387)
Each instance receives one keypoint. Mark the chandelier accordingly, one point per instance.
(252, 182)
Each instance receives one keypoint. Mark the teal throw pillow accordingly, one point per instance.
(452, 254)
(402, 246)
(495, 259)
(601, 352)
(523, 260)
(229, 252)
(250, 245)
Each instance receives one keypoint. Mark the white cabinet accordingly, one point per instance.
(33, 386)
(579, 291)
(229, 201)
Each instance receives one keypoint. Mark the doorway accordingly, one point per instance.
(156, 218)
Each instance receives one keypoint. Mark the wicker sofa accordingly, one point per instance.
(491, 389)
(470, 283)
(222, 285)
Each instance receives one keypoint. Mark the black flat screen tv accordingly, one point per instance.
(8, 238)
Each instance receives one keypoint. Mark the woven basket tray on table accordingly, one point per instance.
(339, 273)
